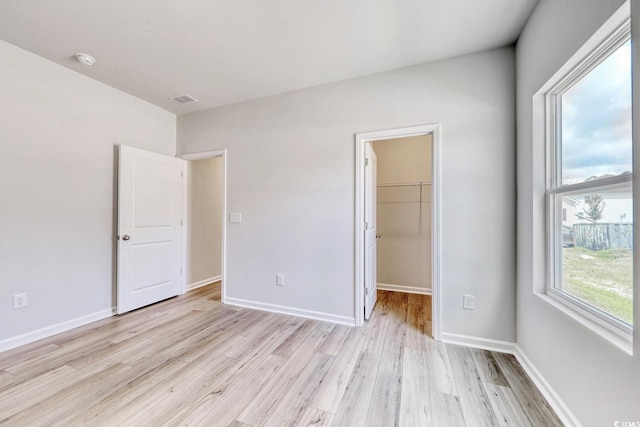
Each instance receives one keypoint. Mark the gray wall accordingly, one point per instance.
(291, 168)
(598, 381)
(204, 225)
(58, 132)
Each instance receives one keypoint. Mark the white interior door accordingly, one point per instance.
(149, 228)
(370, 232)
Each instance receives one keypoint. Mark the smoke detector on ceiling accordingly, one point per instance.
(85, 59)
(183, 99)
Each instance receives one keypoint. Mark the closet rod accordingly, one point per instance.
(404, 184)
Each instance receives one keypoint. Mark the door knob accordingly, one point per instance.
(126, 237)
(378, 236)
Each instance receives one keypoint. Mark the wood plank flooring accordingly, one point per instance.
(191, 360)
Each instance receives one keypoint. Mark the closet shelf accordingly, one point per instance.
(404, 192)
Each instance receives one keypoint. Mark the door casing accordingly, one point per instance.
(198, 156)
(361, 140)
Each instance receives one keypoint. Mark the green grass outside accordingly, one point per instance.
(603, 279)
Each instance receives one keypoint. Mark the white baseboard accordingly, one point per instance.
(309, 314)
(401, 288)
(29, 337)
(563, 412)
(481, 343)
(201, 283)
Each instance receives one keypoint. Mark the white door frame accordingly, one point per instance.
(361, 140)
(198, 156)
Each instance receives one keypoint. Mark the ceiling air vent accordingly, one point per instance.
(183, 99)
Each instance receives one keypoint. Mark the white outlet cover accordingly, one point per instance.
(280, 279)
(20, 301)
(469, 302)
(235, 217)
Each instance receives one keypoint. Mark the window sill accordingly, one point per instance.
(619, 341)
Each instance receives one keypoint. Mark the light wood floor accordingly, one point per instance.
(193, 361)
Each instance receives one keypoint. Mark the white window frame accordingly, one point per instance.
(583, 64)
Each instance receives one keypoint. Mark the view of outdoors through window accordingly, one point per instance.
(597, 225)
(596, 121)
(597, 264)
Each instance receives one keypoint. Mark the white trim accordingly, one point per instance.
(292, 311)
(202, 155)
(436, 299)
(613, 24)
(223, 276)
(361, 139)
(591, 322)
(58, 328)
(186, 173)
(402, 288)
(558, 405)
(547, 112)
(201, 283)
(593, 314)
(481, 343)
(223, 265)
(359, 228)
(601, 184)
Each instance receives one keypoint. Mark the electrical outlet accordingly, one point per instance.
(235, 217)
(280, 279)
(469, 302)
(19, 301)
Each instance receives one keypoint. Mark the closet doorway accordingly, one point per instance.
(405, 197)
(404, 222)
(404, 214)
(204, 221)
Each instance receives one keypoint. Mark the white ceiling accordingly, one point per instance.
(227, 51)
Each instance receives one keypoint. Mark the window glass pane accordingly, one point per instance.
(596, 121)
(597, 250)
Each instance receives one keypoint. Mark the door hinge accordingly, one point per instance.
(366, 291)
(366, 162)
(180, 223)
(366, 225)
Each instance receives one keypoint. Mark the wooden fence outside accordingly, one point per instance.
(598, 237)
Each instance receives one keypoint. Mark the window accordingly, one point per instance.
(589, 185)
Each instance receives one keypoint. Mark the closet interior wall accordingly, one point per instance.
(404, 213)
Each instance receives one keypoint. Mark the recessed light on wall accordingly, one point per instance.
(85, 59)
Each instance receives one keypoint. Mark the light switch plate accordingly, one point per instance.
(235, 217)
